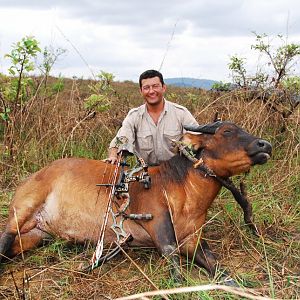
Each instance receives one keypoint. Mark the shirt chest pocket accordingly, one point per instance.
(145, 140)
(170, 135)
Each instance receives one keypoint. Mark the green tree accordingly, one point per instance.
(50, 56)
(22, 60)
(279, 59)
(292, 84)
(221, 86)
(237, 66)
(14, 90)
(274, 82)
(282, 58)
(99, 99)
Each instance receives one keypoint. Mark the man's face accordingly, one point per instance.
(152, 90)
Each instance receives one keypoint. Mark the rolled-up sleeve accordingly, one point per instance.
(127, 130)
(187, 119)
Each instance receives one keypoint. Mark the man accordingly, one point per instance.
(151, 127)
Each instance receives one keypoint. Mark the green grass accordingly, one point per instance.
(5, 198)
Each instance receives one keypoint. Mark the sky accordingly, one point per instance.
(181, 38)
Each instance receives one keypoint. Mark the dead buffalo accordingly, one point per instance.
(63, 199)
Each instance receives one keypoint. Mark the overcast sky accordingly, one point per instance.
(125, 37)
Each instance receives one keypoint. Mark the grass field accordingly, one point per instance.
(58, 124)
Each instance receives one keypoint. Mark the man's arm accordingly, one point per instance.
(188, 119)
(127, 131)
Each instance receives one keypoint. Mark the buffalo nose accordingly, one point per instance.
(264, 146)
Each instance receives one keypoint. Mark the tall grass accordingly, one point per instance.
(56, 124)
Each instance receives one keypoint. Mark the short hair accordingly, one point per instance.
(151, 74)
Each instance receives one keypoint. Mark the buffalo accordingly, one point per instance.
(68, 198)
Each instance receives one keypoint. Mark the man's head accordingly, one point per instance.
(152, 87)
(150, 74)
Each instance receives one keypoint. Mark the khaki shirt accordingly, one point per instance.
(153, 142)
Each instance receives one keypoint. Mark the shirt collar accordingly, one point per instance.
(143, 109)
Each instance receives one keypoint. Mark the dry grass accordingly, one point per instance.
(57, 125)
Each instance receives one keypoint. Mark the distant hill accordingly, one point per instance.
(190, 82)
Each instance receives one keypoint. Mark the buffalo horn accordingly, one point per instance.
(208, 128)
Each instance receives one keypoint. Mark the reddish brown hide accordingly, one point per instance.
(62, 200)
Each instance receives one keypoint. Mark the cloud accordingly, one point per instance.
(191, 38)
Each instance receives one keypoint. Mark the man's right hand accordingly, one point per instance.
(113, 156)
(111, 160)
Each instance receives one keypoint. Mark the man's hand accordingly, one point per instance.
(112, 156)
(111, 160)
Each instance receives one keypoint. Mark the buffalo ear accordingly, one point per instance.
(196, 141)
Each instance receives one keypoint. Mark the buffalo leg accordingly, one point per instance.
(12, 245)
(29, 240)
(163, 235)
(240, 197)
(203, 257)
(6, 241)
(9, 237)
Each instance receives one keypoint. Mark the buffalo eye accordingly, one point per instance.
(227, 132)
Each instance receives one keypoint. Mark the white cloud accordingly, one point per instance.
(127, 37)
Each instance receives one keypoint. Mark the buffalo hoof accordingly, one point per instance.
(230, 282)
(254, 229)
(177, 277)
(227, 280)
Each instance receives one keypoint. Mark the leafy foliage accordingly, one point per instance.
(50, 56)
(281, 59)
(21, 57)
(292, 84)
(58, 85)
(22, 54)
(221, 86)
(99, 99)
(273, 82)
(237, 66)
